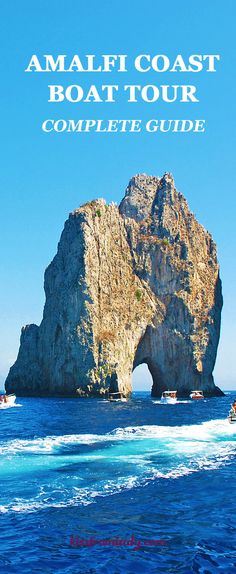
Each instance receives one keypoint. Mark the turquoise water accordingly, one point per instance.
(87, 468)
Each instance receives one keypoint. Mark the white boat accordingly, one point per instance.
(196, 395)
(169, 397)
(117, 398)
(7, 401)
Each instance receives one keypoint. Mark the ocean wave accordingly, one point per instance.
(85, 496)
(6, 406)
(121, 460)
(212, 430)
(47, 444)
(178, 402)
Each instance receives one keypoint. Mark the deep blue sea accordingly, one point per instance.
(81, 478)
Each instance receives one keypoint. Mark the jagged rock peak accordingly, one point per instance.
(143, 192)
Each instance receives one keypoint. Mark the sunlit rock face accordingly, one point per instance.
(133, 284)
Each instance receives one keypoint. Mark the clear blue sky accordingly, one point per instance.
(44, 177)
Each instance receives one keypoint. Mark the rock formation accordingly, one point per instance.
(133, 284)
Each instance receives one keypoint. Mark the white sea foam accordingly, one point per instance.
(3, 509)
(141, 453)
(206, 431)
(85, 496)
(178, 402)
(47, 444)
(6, 406)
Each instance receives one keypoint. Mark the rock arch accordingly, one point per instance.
(141, 379)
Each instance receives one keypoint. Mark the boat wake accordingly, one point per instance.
(77, 469)
(178, 402)
(6, 406)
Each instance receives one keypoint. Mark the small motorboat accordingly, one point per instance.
(169, 397)
(196, 395)
(7, 401)
(232, 418)
(232, 413)
(117, 398)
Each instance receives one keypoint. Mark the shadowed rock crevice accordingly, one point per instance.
(129, 285)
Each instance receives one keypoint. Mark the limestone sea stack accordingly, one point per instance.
(133, 284)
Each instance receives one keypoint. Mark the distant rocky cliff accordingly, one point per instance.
(133, 284)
